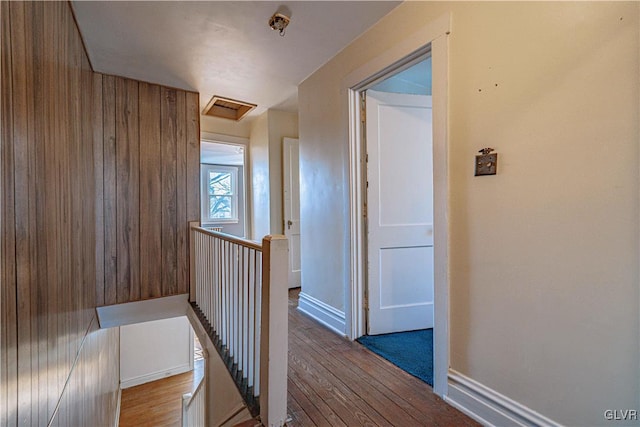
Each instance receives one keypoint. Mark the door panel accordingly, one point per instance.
(291, 196)
(404, 163)
(400, 206)
(400, 265)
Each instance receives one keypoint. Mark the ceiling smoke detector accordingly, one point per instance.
(279, 22)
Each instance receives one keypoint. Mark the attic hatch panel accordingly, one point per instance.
(227, 108)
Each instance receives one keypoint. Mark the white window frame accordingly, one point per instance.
(205, 169)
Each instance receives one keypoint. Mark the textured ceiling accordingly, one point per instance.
(222, 48)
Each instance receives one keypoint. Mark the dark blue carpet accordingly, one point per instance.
(410, 351)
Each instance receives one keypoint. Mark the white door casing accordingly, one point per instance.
(400, 212)
(291, 197)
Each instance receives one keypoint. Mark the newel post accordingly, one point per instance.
(274, 331)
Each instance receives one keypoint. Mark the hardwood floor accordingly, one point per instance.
(158, 403)
(331, 382)
(336, 382)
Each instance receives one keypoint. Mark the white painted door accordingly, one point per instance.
(400, 212)
(291, 196)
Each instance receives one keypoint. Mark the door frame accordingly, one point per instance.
(430, 39)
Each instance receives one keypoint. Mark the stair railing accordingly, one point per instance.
(239, 293)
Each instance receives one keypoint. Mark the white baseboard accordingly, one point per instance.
(489, 407)
(330, 317)
(142, 379)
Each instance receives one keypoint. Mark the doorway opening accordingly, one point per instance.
(434, 38)
(223, 189)
(399, 287)
(291, 202)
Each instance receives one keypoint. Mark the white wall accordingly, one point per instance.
(544, 300)
(154, 350)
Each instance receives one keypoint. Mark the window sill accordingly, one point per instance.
(221, 222)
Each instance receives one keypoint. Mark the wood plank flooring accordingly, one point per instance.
(158, 403)
(331, 382)
(336, 382)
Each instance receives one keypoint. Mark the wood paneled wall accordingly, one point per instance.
(147, 145)
(79, 404)
(55, 365)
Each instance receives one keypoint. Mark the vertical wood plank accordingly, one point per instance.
(32, 197)
(51, 203)
(181, 192)
(61, 93)
(109, 188)
(21, 183)
(3, 351)
(169, 196)
(98, 155)
(89, 192)
(89, 226)
(123, 264)
(133, 138)
(75, 177)
(127, 190)
(150, 192)
(193, 162)
(9, 310)
(193, 156)
(37, 162)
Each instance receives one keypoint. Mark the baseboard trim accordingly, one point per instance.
(489, 407)
(142, 379)
(323, 313)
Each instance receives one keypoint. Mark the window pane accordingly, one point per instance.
(220, 207)
(220, 183)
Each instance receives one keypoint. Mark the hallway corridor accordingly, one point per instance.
(336, 382)
(331, 382)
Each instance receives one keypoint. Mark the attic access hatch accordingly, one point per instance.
(227, 108)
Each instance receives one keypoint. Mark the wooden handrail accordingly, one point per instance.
(229, 238)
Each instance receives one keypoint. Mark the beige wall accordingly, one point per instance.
(226, 126)
(259, 161)
(544, 256)
(267, 133)
(282, 124)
